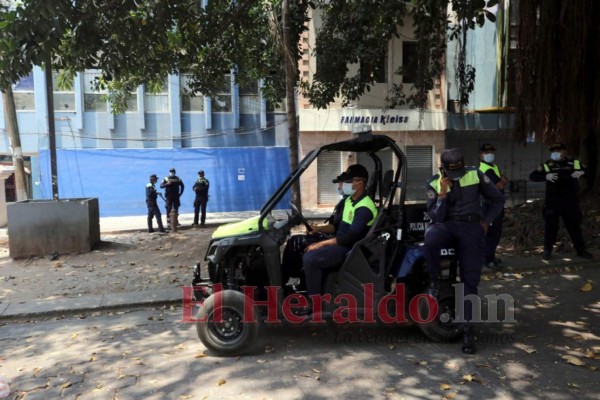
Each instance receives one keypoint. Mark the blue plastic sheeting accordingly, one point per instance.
(241, 179)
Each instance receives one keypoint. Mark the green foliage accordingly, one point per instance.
(358, 31)
(141, 42)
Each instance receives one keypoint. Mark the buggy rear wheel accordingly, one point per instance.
(442, 328)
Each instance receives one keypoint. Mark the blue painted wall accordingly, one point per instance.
(240, 178)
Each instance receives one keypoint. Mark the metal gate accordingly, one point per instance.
(419, 161)
(329, 165)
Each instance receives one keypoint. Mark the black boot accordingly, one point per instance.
(469, 345)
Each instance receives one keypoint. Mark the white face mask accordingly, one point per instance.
(555, 155)
(488, 158)
(172, 174)
(347, 189)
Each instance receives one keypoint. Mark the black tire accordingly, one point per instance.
(231, 336)
(442, 328)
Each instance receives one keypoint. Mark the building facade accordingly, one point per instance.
(240, 144)
(421, 135)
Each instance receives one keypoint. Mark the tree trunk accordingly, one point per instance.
(290, 74)
(15, 144)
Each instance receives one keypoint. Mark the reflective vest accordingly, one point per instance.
(484, 167)
(576, 166)
(468, 179)
(349, 209)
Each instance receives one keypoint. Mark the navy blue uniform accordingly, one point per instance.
(153, 210)
(494, 233)
(351, 230)
(291, 261)
(457, 222)
(561, 201)
(173, 190)
(201, 189)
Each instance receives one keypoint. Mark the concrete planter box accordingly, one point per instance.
(42, 227)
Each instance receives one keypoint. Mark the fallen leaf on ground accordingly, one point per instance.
(526, 348)
(261, 361)
(471, 378)
(221, 382)
(573, 360)
(445, 386)
(587, 287)
(572, 385)
(200, 355)
(316, 371)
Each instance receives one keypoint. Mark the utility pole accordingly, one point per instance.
(51, 128)
(12, 128)
(290, 74)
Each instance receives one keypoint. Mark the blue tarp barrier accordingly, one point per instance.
(241, 179)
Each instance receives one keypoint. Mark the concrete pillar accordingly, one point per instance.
(5, 172)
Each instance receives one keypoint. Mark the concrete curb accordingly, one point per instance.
(88, 303)
(114, 301)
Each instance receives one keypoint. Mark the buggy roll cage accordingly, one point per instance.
(364, 143)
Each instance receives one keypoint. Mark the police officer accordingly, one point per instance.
(153, 210)
(358, 215)
(561, 174)
(173, 190)
(291, 260)
(492, 238)
(201, 189)
(454, 206)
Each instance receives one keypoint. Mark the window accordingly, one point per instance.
(23, 92)
(279, 108)
(189, 103)
(409, 62)
(93, 100)
(376, 70)
(132, 105)
(64, 95)
(156, 99)
(249, 99)
(222, 100)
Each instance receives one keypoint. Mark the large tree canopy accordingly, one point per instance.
(558, 85)
(136, 42)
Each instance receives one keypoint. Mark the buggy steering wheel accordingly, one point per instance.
(296, 212)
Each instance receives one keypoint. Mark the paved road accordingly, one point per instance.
(148, 354)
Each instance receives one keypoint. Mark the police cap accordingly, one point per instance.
(453, 163)
(487, 147)
(172, 170)
(153, 176)
(201, 172)
(341, 178)
(357, 171)
(557, 146)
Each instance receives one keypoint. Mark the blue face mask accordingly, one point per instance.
(555, 156)
(488, 158)
(347, 189)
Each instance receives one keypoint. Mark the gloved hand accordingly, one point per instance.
(552, 177)
(577, 174)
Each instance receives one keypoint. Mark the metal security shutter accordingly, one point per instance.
(387, 161)
(329, 165)
(420, 168)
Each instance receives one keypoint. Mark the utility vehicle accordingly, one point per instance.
(386, 267)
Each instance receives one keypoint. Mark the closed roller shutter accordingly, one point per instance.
(420, 168)
(329, 165)
(387, 161)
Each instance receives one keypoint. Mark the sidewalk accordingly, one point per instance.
(514, 266)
